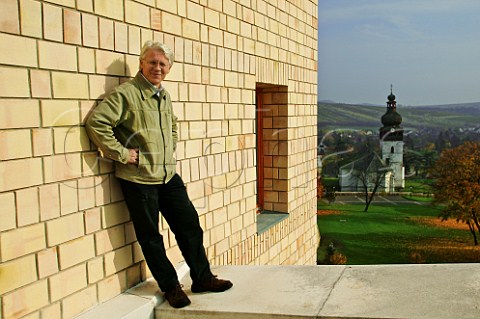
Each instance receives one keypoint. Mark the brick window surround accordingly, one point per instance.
(272, 148)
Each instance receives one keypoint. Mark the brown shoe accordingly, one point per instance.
(177, 298)
(213, 285)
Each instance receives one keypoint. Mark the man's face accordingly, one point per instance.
(155, 66)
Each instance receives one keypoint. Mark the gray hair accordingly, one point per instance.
(155, 45)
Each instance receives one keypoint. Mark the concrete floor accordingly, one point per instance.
(446, 291)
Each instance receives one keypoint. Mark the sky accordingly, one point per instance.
(429, 50)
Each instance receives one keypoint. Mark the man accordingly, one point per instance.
(135, 126)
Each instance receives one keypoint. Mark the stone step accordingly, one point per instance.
(443, 291)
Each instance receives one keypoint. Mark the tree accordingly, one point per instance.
(428, 158)
(456, 176)
(372, 179)
(320, 187)
(370, 171)
(413, 161)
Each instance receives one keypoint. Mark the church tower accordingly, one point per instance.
(391, 141)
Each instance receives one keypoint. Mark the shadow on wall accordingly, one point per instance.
(115, 239)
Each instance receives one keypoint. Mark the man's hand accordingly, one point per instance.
(133, 156)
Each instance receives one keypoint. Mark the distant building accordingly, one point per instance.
(385, 170)
(368, 171)
(391, 142)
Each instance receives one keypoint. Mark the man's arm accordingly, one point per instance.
(100, 123)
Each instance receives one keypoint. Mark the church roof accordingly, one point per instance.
(367, 162)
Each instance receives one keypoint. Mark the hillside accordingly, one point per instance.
(333, 115)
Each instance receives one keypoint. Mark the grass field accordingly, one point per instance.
(418, 186)
(397, 234)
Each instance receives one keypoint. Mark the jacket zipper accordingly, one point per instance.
(163, 137)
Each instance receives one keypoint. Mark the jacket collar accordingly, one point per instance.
(147, 89)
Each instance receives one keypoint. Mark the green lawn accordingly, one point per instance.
(419, 198)
(330, 183)
(418, 186)
(393, 235)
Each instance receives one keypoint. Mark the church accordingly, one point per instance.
(391, 142)
(384, 170)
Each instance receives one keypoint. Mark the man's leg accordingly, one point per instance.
(142, 203)
(182, 218)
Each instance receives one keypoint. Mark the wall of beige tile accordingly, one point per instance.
(66, 242)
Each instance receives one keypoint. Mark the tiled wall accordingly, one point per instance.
(66, 242)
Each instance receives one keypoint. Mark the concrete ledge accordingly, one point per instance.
(260, 292)
(138, 302)
(443, 291)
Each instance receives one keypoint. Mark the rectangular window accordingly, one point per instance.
(272, 148)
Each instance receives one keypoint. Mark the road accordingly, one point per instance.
(378, 199)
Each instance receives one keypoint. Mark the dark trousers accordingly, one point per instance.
(144, 203)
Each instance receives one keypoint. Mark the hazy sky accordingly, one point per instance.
(428, 49)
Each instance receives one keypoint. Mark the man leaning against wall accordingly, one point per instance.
(135, 126)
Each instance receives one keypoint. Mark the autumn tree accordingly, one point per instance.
(456, 176)
(320, 187)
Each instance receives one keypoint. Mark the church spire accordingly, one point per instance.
(391, 120)
(391, 99)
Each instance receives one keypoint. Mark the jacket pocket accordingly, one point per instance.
(151, 161)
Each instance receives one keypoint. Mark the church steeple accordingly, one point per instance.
(391, 98)
(391, 141)
(391, 120)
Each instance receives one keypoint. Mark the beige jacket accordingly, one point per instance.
(135, 116)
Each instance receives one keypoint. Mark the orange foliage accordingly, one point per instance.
(457, 184)
(451, 223)
(320, 188)
(457, 175)
(328, 212)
